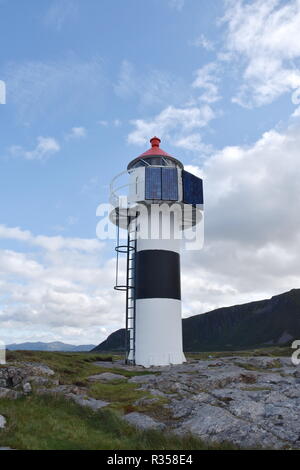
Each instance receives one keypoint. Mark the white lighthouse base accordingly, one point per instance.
(158, 332)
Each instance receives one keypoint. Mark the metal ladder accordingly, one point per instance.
(129, 287)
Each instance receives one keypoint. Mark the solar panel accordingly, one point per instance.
(152, 183)
(161, 184)
(192, 188)
(169, 184)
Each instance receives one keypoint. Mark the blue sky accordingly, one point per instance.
(87, 84)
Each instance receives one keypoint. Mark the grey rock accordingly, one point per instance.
(247, 409)
(292, 392)
(2, 422)
(145, 401)
(204, 397)
(157, 393)
(84, 400)
(216, 424)
(37, 368)
(60, 390)
(106, 377)
(118, 365)
(182, 408)
(143, 422)
(27, 387)
(139, 379)
(216, 400)
(16, 379)
(38, 380)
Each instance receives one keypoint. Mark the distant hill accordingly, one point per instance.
(54, 346)
(270, 322)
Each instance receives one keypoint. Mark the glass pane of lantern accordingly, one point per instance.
(169, 184)
(152, 183)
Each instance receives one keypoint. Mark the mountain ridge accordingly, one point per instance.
(269, 322)
(52, 346)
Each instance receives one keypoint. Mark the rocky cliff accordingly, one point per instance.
(270, 322)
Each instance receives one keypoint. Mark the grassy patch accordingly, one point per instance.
(246, 366)
(275, 364)
(256, 389)
(121, 395)
(267, 352)
(49, 423)
(70, 368)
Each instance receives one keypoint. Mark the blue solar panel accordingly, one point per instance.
(192, 188)
(169, 184)
(161, 183)
(152, 183)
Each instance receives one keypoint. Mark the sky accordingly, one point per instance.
(88, 83)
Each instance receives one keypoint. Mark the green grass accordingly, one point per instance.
(70, 368)
(119, 393)
(49, 423)
(267, 352)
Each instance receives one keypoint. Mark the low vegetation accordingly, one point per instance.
(267, 352)
(49, 423)
(52, 422)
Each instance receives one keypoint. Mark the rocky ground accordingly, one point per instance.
(250, 402)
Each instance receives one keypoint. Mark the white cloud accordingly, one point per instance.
(263, 36)
(192, 142)
(50, 243)
(296, 113)
(203, 42)
(76, 133)
(64, 290)
(178, 121)
(207, 79)
(252, 231)
(46, 146)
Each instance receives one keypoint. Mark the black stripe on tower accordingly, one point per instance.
(157, 274)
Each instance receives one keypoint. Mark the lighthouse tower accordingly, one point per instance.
(158, 191)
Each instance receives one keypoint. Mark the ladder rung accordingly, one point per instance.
(130, 292)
